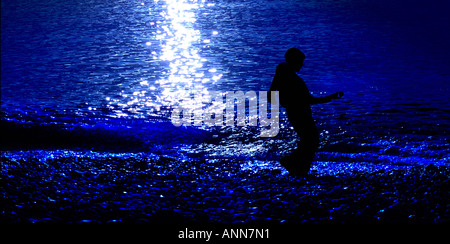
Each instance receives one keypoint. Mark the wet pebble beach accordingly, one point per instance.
(87, 187)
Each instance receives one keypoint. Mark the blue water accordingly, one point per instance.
(97, 61)
(111, 70)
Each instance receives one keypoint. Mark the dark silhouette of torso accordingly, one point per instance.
(293, 92)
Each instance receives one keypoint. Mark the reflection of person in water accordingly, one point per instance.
(296, 98)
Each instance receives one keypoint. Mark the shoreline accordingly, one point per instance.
(82, 187)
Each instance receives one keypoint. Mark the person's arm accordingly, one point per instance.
(273, 87)
(277, 79)
(326, 99)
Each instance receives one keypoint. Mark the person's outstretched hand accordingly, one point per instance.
(337, 95)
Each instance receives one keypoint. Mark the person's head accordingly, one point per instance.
(294, 57)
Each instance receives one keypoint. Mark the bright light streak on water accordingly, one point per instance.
(180, 43)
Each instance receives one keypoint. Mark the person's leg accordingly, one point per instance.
(300, 160)
(307, 148)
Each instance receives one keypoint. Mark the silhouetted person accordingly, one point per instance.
(296, 98)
